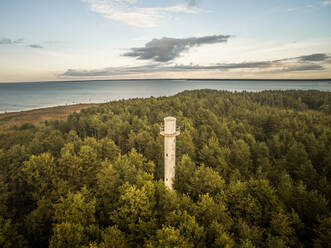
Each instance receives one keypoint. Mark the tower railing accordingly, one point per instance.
(176, 133)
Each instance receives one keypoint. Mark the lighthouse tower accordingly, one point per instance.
(169, 131)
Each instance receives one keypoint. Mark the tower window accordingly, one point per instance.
(167, 154)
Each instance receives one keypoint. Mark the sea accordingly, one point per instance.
(32, 95)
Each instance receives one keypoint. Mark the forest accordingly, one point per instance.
(253, 169)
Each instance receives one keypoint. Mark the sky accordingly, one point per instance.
(59, 40)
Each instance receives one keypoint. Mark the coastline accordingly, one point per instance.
(26, 96)
(174, 79)
(37, 116)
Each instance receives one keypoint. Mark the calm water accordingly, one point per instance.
(25, 96)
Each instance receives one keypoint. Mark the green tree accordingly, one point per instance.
(169, 237)
(68, 234)
(38, 223)
(188, 227)
(241, 157)
(323, 232)
(3, 196)
(75, 218)
(215, 156)
(113, 238)
(194, 180)
(40, 175)
(9, 236)
(135, 213)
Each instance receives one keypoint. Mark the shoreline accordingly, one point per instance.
(176, 79)
(40, 115)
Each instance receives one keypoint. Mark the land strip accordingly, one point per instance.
(37, 116)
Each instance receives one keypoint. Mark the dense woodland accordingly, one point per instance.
(253, 170)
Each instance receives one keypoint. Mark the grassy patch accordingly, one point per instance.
(37, 116)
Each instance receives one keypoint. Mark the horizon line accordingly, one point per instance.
(176, 79)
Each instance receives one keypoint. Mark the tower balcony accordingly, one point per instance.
(169, 134)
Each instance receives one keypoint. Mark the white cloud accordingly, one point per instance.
(308, 6)
(181, 8)
(311, 62)
(127, 11)
(141, 38)
(327, 2)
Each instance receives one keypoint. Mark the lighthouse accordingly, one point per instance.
(169, 131)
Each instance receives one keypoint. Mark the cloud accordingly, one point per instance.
(224, 67)
(270, 66)
(308, 67)
(112, 71)
(300, 8)
(87, 73)
(7, 41)
(192, 3)
(167, 49)
(314, 57)
(34, 46)
(18, 41)
(294, 64)
(327, 2)
(127, 11)
(181, 9)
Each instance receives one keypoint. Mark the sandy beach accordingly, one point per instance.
(37, 116)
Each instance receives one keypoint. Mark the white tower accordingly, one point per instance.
(169, 131)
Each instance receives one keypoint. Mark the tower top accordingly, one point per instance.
(170, 118)
(169, 129)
